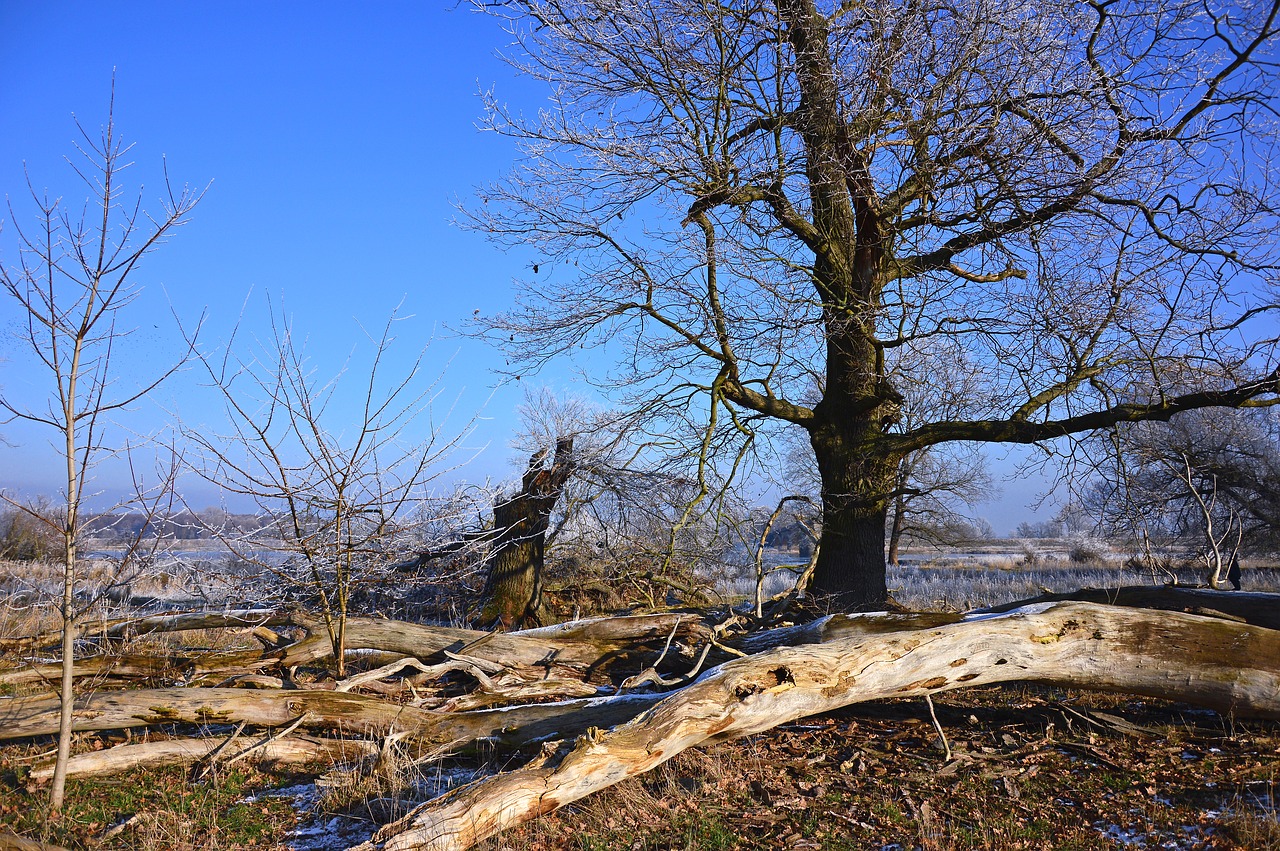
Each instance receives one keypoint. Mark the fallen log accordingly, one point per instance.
(587, 649)
(122, 758)
(838, 626)
(353, 714)
(1233, 668)
(169, 622)
(13, 842)
(1254, 607)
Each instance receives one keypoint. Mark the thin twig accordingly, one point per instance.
(262, 743)
(205, 765)
(946, 748)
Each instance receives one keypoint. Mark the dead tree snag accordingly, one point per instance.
(513, 589)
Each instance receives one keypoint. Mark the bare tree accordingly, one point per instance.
(1205, 479)
(736, 200)
(74, 279)
(934, 484)
(336, 476)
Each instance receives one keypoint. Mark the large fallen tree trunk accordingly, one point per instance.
(289, 750)
(171, 622)
(12, 842)
(1257, 608)
(353, 714)
(1230, 667)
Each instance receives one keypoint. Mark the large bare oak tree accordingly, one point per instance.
(743, 201)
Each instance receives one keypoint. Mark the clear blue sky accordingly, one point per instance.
(337, 138)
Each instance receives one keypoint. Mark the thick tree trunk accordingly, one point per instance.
(857, 486)
(850, 261)
(513, 588)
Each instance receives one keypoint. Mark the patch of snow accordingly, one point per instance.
(1123, 835)
(336, 834)
(1191, 837)
(318, 830)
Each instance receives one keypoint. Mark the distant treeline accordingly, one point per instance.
(182, 526)
(25, 536)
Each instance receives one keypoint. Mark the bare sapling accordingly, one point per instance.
(335, 491)
(73, 282)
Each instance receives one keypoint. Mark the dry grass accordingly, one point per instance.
(873, 777)
(386, 787)
(147, 810)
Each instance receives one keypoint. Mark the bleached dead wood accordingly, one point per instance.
(321, 710)
(13, 842)
(1257, 608)
(837, 626)
(122, 758)
(1231, 667)
(581, 649)
(170, 622)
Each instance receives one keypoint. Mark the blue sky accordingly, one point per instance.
(335, 140)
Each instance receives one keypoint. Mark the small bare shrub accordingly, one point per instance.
(1030, 555)
(1088, 551)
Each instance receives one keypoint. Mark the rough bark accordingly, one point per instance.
(1171, 656)
(513, 586)
(856, 488)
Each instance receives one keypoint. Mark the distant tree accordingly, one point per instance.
(745, 201)
(1208, 479)
(73, 283)
(933, 485)
(1039, 529)
(27, 535)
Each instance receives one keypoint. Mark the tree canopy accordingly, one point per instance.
(744, 202)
